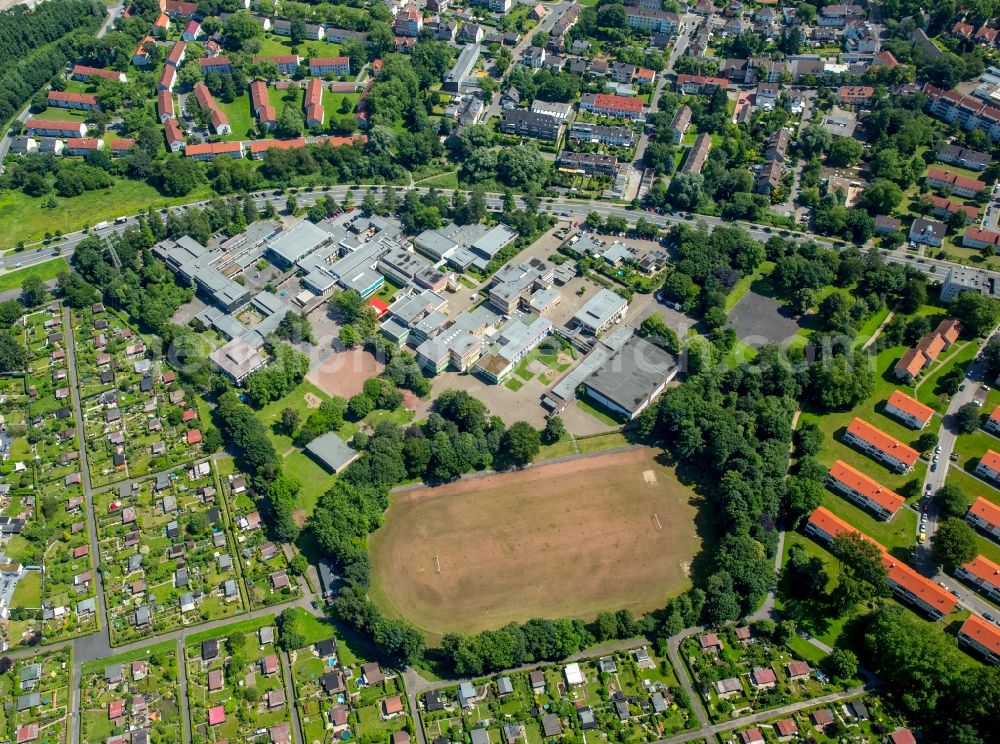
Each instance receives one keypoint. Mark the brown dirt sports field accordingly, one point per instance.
(568, 539)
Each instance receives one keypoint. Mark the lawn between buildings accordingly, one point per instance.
(562, 540)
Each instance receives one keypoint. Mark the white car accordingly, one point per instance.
(937, 449)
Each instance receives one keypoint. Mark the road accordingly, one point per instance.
(971, 391)
(100, 640)
(15, 126)
(573, 209)
(638, 180)
(546, 24)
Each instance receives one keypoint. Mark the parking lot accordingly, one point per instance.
(760, 320)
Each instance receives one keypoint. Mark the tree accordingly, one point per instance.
(814, 140)
(841, 664)
(240, 28)
(289, 420)
(291, 204)
(33, 291)
(953, 544)
(951, 500)
(809, 438)
(979, 314)
(13, 356)
(298, 31)
(804, 575)
(349, 336)
(967, 418)
(862, 573)
(884, 196)
(844, 152)
(554, 430)
(290, 123)
(519, 444)
(655, 330)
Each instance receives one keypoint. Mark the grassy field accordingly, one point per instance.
(26, 218)
(833, 425)
(959, 355)
(272, 45)
(551, 541)
(743, 285)
(240, 118)
(44, 271)
(29, 591)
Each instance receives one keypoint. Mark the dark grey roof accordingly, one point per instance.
(633, 373)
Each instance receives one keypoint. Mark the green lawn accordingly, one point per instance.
(282, 98)
(240, 118)
(958, 355)
(26, 218)
(871, 325)
(743, 285)
(899, 533)
(441, 181)
(272, 45)
(833, 425)
(53, 113)
(44, 271)
(29, 591)
(598, 412)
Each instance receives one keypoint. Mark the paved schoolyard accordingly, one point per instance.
(760, 320)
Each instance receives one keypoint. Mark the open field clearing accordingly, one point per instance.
(563, 540)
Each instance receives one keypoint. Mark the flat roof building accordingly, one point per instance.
(332, 452)
(238, 359)
(601, 311)
(295, 243)
(632, 377)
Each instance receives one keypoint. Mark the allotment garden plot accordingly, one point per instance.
(137, 418)
(166, 557)
(566, 539)
(45, 535)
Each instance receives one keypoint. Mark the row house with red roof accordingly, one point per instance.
(993, 422)
(76, 101)
(984, 515)
(174, 136)
(52, 128)
(82, 145)
(979, 239)
(83, 73)
(619, 107)
(982, 637)
(983, 574)
(179, 9)
(176, 55)
(320, 66)
(696, 84)
(168, 78)
(164, 106)
(287, 64)
(880, 446)
(191, 31)
(970, 113)
(906, 583)
(261, 106)
(866, 492)
(221, 65)
(217, 117)
(953, 183)
(908, 409)
(989, 466)
(312, 103)
(943, 207)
